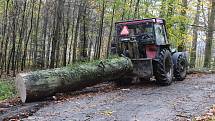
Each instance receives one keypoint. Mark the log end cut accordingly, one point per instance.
(21, 87)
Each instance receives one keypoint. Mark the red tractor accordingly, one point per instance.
(146, 43)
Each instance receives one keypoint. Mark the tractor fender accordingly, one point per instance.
(177, 54)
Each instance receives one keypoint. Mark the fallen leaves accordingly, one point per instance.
(209, 116)
(107, 113)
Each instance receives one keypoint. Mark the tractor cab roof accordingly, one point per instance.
(147, 20)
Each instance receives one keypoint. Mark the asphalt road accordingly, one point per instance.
(138, 102)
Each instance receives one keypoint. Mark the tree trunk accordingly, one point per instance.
(75, 41)
(66, 36)
(44, 30)
(40, 84)
(85, 29)
(5, 26)
(28, 38)
(181, 46)
(123, 10)
(36, 60)
(209, 37)
(100, 36)
(130, 8)
(195, 37)
(136, 9)
(14, 27)
(72, 34)
(21, 36)
(57, 30)
(111, 29)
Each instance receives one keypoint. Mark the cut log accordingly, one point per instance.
(37, 85)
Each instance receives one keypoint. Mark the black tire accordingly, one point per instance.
(163, 70)
(180, 69)
(123, 82)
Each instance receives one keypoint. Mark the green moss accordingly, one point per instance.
(94, 62)
(7, 90)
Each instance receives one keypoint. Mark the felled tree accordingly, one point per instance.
(39, 84)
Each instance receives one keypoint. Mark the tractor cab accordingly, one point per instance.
(141, 36)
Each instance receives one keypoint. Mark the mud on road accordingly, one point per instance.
(138, 102)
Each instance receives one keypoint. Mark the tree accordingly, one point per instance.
(4, 32)
(195, 36)
(37, 59)
(56, 32)
(209, 36)
(100, 35)
(181, 46)
(28, 37)
(111, 28)
(136, 9)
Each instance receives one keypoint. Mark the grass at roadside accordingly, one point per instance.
(7, 90)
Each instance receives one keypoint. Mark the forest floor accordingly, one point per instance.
(139, 102)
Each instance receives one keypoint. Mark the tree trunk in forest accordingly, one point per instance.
(100, 36)
(37, 56)
(57, 33)
(123, 10)
(136, 9)
(28, 38)
(21, 36)
(111, 29)
(72, 34)
(66, 36)
(45, 26)
(83, 32)
(5, 53)
(13, 50)
(130, 8)
(75, 41)
(5, 25)
(209, 37)
(181, 46)
(195, 37)
(37, 85)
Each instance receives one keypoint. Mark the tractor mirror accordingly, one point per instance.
(174, 50)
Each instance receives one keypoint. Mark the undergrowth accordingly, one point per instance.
(7, 90)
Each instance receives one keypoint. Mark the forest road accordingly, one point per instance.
(138, 102)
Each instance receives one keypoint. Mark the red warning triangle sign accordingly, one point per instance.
(124, 31)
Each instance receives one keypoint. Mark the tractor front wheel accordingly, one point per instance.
(180, 68)
(163, 69)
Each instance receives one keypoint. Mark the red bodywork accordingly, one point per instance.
(151, 51)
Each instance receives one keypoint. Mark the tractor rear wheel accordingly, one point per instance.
(180, 69)
(163, 70)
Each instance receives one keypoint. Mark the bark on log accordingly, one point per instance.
(37, 85)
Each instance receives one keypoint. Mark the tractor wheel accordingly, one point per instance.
(163, 70)
(180, 69)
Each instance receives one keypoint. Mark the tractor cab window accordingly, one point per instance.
(143, 31)
(160, 34)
